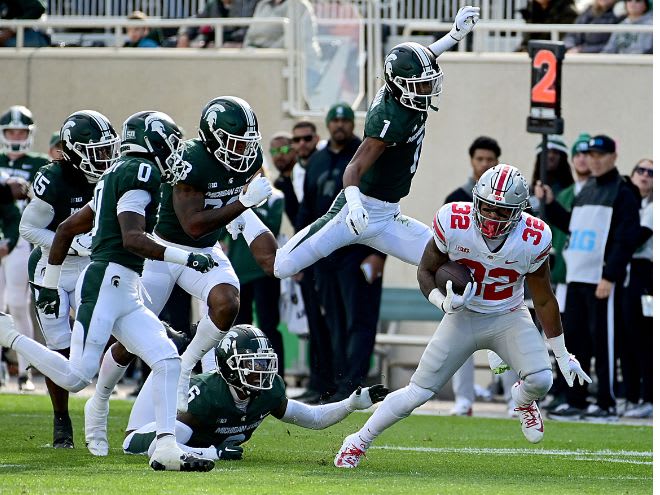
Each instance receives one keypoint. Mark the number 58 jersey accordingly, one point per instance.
(499, 275)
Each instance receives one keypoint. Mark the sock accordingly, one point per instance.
(165, 378)
(206, 338)
(396, 406)
(50, 363)
(109, 375)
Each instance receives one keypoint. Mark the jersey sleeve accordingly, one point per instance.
(44, 185)
(383, 123)
(139, 174)
(439, 233)
(541, 249)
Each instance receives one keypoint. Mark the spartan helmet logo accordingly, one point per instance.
(156, 125)
(388, 63)
(211, 116)
(228, 340)
(115, 281)
(66, 133)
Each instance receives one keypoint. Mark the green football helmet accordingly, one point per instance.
(245, 359)
(17, 117)
(413, 76)
(156, 135)
(230, 131)
(89, 143)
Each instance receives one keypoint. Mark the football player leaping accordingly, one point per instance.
(225, 406)
(61, 188)
(502, 246)
(216, 186)
(380, 173)
(121, 215)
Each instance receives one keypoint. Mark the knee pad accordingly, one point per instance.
(284, 266)
(538, 383)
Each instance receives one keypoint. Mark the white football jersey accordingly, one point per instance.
(499, 275)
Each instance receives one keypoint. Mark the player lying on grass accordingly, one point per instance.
(502, 246)
(227, 405)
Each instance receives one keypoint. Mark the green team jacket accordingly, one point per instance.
(559, 238)
(239, 252)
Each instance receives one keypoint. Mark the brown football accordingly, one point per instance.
(460, 275)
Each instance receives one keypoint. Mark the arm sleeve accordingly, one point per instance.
(135, 200)
(623, 237)
(315, 417)
(36, 217)
(543, 250)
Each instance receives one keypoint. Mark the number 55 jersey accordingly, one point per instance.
(500, 274)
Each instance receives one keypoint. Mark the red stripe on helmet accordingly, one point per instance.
(504, 175)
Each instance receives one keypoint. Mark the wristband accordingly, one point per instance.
(352, 194)
(176, 255)
(558, 345)
(436, 298)
(51, 276)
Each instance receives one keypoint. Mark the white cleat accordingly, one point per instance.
(96, 428)
(177, 460)
(182, 391)
(352, 450)
(8, 333)
(531, 421)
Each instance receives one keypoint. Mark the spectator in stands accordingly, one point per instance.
(141, 37)
(304, 140)
(267, 35)
(637, 339)
(599, 12)
(55, 147)
(558, 274)
(260, 293)
(639, 12)
(546, 12)
(204, 36)
(596, 259)
(350, 279)
(283, 156)
(24, 10)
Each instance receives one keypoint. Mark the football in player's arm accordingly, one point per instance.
(227, 405)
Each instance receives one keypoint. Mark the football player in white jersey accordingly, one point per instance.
(502, 246)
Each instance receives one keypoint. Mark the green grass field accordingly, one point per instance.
(422, 454)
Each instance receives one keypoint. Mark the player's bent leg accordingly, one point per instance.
(142, 441)
(404, 238)
(396, 406)
(525, 394)
(316, 241)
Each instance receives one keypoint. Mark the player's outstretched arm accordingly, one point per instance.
(319, 417)
(466, 18)
(547, 310)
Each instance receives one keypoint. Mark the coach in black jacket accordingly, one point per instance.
(604, 227)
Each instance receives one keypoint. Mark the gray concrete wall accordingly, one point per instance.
(482, 94)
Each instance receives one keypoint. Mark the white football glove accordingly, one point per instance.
(257, 192)
(453, 303)
(496, 363)
(364, 398)
(357, 218)
(466, 18)
(81, 245)
(235, 227)
(568, 365)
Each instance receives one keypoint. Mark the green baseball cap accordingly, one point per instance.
(54, 139)
(340, 111)
(581, 144)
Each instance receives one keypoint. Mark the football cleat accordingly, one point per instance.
(178, 460)
(531, 421)
(8, 333)
(351, 452)
(96, 426)
(62, 432)
(25, 384)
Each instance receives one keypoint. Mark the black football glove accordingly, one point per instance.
(201, 262)
(230, 452)
(48, 300)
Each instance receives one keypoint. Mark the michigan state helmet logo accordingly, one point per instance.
(66, 133)
(155, 124)
(211, 116)
(227, 341)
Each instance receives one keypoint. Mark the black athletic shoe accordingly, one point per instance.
(62, 432)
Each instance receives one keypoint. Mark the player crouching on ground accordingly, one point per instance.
(502, 246)
(226, 406)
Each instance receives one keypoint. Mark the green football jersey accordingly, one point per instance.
(25, 166)
(128, 174)
(213, 405)
(220, 186)
(64, 188)
(403, 128)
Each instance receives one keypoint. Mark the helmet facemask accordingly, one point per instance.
(236, 152)
(172, 166)
(420, 93)
(95, 158)
(255, 371)
(496, 228)
(16, 145)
